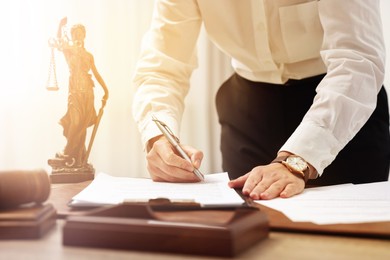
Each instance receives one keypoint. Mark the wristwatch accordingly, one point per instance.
(295, 164)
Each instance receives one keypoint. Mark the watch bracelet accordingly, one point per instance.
(306, 173)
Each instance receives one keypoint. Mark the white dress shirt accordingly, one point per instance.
(270, 41)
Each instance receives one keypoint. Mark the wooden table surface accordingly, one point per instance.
(286, 240)
(279, 245)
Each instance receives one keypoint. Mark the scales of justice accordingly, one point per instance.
(71, 164)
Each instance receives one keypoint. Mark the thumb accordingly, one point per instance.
(239, 182)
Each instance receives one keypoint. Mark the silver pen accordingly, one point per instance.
(173, 140)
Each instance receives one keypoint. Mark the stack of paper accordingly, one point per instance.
(337, 204)
(109, 190)
(324, 205)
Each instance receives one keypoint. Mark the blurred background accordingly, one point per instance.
(29, 113)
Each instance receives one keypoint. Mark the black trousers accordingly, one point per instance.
(257, 119)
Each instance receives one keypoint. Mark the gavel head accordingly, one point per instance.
(22, 187)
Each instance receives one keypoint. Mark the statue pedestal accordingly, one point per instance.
(64, 174)
(71, 177)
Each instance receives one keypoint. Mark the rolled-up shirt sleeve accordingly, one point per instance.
(168, 57)
(354, 54)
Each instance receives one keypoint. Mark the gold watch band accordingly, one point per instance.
(305, 174)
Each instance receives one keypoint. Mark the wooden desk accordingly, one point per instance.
(279, 245)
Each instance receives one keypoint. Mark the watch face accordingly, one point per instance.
(297, 163)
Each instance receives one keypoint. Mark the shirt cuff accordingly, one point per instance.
(315, 144)
(149, 129)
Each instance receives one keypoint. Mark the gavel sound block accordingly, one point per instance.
(23, 213)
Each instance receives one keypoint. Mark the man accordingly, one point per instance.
(305, 105)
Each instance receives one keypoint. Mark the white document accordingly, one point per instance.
(337, 204)
(109, 190)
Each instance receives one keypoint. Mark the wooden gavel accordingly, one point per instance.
(22, 187)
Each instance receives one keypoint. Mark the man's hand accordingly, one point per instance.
(165, 164)
(268, 182)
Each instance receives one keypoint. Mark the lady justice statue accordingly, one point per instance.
(71, 165)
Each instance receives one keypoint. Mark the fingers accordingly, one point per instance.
(271, 181)
(195, 155)
(164, 164)
(291, 190)
(171, 175)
